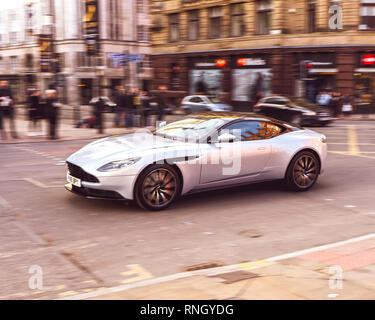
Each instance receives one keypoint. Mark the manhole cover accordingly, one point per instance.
(231, 277)
(250, 234)
(207, 265)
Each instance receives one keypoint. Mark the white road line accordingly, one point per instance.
(210, 272)
(320, 248)
(39, 184)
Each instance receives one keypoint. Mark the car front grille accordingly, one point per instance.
(79, 173)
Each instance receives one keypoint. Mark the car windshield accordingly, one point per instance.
(214, 100)
(190, 129)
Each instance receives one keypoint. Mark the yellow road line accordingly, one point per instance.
(254, 264)
(352, 140)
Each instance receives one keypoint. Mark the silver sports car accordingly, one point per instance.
(199, 152)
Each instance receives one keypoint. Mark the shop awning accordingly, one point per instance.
(365, 70)
(324, 70)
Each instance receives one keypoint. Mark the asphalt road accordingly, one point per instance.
(81, 244)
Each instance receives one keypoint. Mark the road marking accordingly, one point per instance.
(39, 184)
(137, 271)
(354, 155)
(352, 140)
(254, 264)
(210, 272)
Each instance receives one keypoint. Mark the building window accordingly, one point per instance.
(142, 33)
(28, 61)
(237, 20)
(216, 15)
(114, 21)
(264, 13)
(13, 37)
(368, 14)
(193, 27)
(141, 6)
(14, 62)
(174, 27)
(311, 16)
(1, 63)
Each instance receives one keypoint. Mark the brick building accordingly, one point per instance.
(239, 47)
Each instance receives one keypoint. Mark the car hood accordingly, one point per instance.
(123, 147)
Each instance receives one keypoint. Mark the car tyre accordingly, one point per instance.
(157, 187)
(303, 171)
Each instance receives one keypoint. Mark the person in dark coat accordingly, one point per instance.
(201, 86)
(117, 98)
(2, 131)
(35, 114)
(162, 104)
(98, 113)
(146, 109)
(7, 105)
(52, 113)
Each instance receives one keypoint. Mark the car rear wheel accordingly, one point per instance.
(303, 171)
(157, 187)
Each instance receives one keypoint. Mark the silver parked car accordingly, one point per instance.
(201, 103)
(200, 152)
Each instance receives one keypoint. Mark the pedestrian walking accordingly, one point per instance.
(161, 101)
(146, 109)
(129, 108)
(52, 113)
(2, 129)
(117, 99)
(347, 106)
(137, 106)
(35, 113)
(7, 105)
(98, 113)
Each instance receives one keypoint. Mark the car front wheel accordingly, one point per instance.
(303, 171)
(157, 187)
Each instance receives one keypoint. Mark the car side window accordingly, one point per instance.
(196, 100)
(273, 130)
(247, 130)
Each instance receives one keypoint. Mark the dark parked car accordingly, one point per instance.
(298, 112)
(109, 106)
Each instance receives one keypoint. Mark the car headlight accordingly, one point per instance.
(117, 165)
(312, 113)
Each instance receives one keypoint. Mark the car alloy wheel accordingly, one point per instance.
(303, 171)
(157, 187)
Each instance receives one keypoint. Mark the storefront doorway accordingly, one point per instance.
(86, 90)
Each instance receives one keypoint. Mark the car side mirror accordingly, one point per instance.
(227, 138)
(161, 124)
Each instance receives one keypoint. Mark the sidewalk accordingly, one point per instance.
(337, 271)
(66, 132)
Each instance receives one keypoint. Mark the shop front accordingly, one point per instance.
(206, 75)
(321, 73)
(364, 78)
(251, 80)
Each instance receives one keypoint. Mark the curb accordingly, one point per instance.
(252, 265)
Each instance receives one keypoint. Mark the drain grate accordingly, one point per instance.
(250, 234)
(232, 277)
(206, 265)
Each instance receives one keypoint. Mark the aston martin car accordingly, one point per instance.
(200, 152)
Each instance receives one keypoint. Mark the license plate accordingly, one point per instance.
(73, 180)
(325, 119)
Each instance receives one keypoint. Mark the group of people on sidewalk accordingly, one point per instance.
(134, 102)
(38, 110)
(340, 105)
(7, 113)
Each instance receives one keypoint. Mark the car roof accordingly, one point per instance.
(234, 116)
(276, 97)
